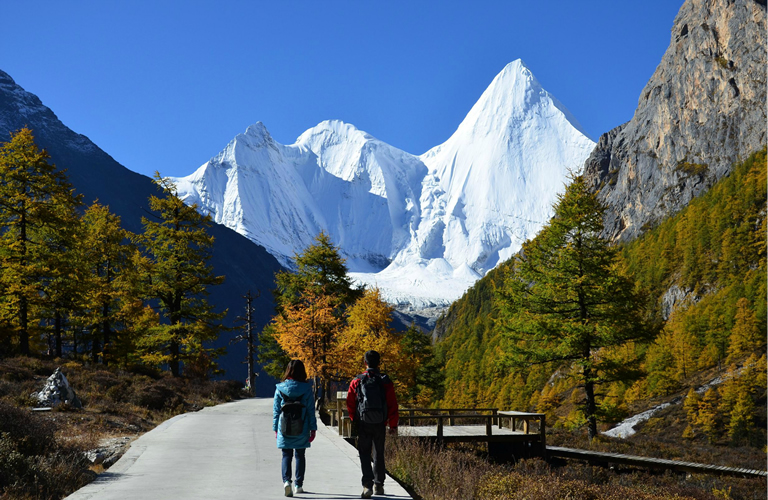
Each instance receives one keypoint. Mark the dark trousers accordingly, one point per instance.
(371, 438)
(301, 464)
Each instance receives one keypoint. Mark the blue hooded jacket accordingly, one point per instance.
(294, 390)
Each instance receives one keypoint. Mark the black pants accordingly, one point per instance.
(371, 436)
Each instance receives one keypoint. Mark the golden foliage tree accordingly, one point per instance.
(745, 335)
(307, 330)
(368, 328)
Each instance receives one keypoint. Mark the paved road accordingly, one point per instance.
(227, 452)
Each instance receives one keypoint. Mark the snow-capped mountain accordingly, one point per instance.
(421, 228)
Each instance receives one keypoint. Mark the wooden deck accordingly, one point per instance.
(466, 433)
(514, 435)
(650, 463)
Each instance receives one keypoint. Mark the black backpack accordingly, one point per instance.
(372, 400)
(292, 423)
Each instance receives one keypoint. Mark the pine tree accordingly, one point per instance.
(33, 198)
(179, 247)
(321, 270)
(425, 381)
(565, 301)
(319, 281)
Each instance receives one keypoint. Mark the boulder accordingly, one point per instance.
(56, 391)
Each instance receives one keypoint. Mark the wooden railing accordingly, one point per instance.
(340, 418)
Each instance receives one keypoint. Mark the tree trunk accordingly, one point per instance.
(23, 305)
(173, 363)
(105, 330)
(591, 410)
(57, 332)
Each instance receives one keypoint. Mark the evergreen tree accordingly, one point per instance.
(424, 382)
(179, 248)
(272, 358)
(319, 281)
(35, 201)
(566, 302)
(320, 269)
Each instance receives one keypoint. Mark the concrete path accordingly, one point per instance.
(227, 452)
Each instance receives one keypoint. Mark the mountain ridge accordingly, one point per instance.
(422, 228)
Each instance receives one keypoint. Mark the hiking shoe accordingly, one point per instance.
(367, 492)
(298, 489)
(288, 489)
(378, 489)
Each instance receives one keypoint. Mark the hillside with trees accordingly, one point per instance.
(704, 272)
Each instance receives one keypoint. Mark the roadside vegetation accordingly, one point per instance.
(465, 473)
(43, 454)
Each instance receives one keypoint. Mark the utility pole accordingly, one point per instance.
(248, 337)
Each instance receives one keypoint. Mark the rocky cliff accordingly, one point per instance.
(703, 109)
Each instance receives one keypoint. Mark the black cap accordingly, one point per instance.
(372, 359)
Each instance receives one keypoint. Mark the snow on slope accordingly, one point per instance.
(421, 228)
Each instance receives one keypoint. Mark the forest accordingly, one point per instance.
(73, 282)
(702, 273)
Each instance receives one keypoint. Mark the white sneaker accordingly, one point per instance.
(299, 489)
(367, 492)
(288, 489)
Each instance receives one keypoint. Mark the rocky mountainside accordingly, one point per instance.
(421, 228)
(98, 176)
(703, 109)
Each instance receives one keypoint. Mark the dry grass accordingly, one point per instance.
(41, 454)
(434, 473)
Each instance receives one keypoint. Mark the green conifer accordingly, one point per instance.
(565, 300)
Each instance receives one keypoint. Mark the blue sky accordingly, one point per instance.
(165, 85)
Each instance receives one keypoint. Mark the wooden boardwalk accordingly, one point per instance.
(514, 435)
(466, 433)
(650, 463)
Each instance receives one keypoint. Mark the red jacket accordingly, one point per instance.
(393, 414)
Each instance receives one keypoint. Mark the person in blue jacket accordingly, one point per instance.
(295, 388)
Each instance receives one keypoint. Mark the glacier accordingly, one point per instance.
(421, 228)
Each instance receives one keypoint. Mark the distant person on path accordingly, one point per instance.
(319, 397)
(294, 423)
(372, 405)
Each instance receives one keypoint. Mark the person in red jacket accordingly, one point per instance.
(372, 405)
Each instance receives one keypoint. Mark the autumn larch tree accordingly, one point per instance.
(179, 247)
(33, 197)
(565, 301)
(108, 295)
(368, 328)
(318, 284)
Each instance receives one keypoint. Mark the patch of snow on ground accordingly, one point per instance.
(627, 427)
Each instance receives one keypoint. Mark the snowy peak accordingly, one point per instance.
(512, 93)
(422, 228)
